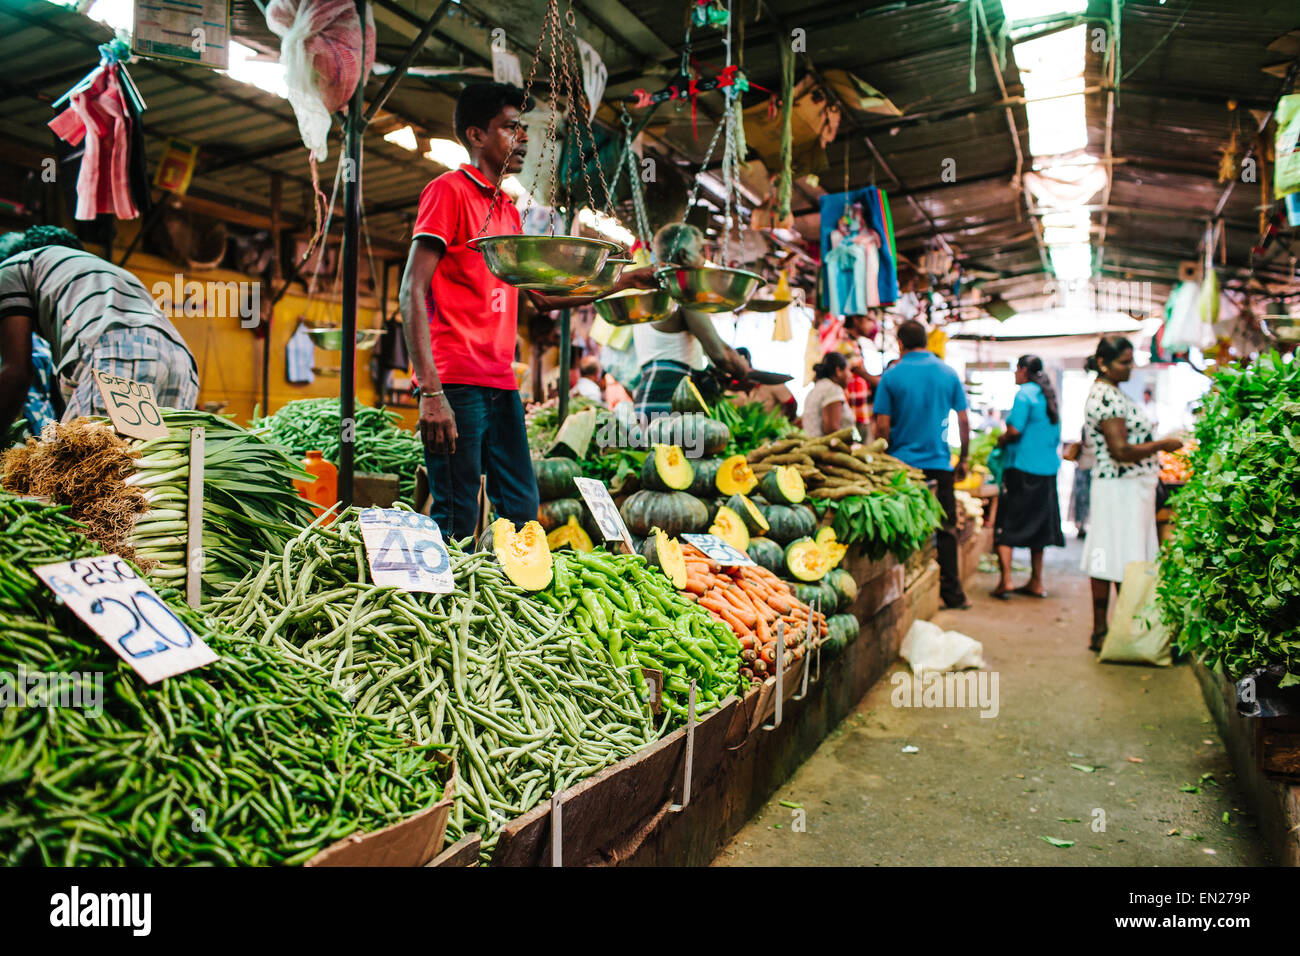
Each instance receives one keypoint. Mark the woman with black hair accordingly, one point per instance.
(1029, 514)
(826, 408)
(1124, 479)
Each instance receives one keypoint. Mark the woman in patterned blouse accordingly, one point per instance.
(1124, 479)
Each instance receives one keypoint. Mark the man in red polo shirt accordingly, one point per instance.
(460, 321)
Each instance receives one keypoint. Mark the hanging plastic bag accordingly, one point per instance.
(320, 46)
(1184, 328)
(1136, 634)
(1286, 166)
(1208, 301)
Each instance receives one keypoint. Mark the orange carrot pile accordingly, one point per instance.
(752, 601)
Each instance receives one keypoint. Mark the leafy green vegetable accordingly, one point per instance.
(1058, 842)
(898, 520)
(752, 425)
(1229, 584)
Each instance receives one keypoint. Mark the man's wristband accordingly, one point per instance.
(437, 394)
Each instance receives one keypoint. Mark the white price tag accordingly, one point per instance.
(131, 406)
(715, 549)
(405, 550)
(122, 609)
(603, 509)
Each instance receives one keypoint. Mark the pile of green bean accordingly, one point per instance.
(528, 705)
(249, 501)
(644, 622)
(251, 760)
(383, 445)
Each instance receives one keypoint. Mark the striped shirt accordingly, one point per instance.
(75, 297)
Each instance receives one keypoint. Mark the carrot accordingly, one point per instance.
(744, 610)
(696, 584)
(764, 634)
(723, 612)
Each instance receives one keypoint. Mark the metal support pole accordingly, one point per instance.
(566, 357)
(350, 252)
(400, 70)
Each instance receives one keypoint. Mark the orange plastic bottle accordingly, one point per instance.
(323, 489)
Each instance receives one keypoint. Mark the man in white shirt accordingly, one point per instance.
(589, 377)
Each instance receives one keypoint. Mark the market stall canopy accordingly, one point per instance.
(936, 120)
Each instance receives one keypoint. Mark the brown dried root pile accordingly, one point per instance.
(83, 464)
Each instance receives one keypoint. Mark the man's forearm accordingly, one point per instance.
(419, 345)
(964, 429)
(14, 383)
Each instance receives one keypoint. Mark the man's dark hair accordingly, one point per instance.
(38, 237)
(478, 103)
(911, 335)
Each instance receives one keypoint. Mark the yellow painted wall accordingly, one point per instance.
(230, 357)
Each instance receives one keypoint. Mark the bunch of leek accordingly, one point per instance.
(249, 501)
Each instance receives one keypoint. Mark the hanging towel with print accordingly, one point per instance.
(299, 355)
(99, 116)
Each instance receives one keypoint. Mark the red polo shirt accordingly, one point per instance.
(472, 314)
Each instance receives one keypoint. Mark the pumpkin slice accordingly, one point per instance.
(569, 535)
(706, 470)
(755, 523)
(553, 514)
(783, 485)
(523, 554)
(729, 526)
(687, 398)
(667, 469)
(665, 553)
(735, 477)
(805, 560)
(833, 550)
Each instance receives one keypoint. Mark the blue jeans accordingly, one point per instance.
(490, 440)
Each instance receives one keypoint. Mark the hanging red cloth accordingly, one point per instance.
(98, 115)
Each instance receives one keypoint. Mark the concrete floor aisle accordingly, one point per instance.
(985, 790)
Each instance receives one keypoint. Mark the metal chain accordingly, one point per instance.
(553, 6)
(638, 202)
(728, 175)
(695, 190)
(579, 105)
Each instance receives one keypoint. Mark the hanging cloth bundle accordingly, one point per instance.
(321, 48)
(320, 43)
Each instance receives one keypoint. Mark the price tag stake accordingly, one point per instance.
(128, 616)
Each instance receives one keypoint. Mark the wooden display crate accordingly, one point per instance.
(1277, 745)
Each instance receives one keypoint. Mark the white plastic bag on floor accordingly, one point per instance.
(928, 647)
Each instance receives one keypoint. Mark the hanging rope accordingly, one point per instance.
(974, 40)
(786, 185)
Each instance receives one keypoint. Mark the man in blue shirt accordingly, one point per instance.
(913, 402)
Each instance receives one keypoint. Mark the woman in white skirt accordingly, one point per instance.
(1122, 526)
